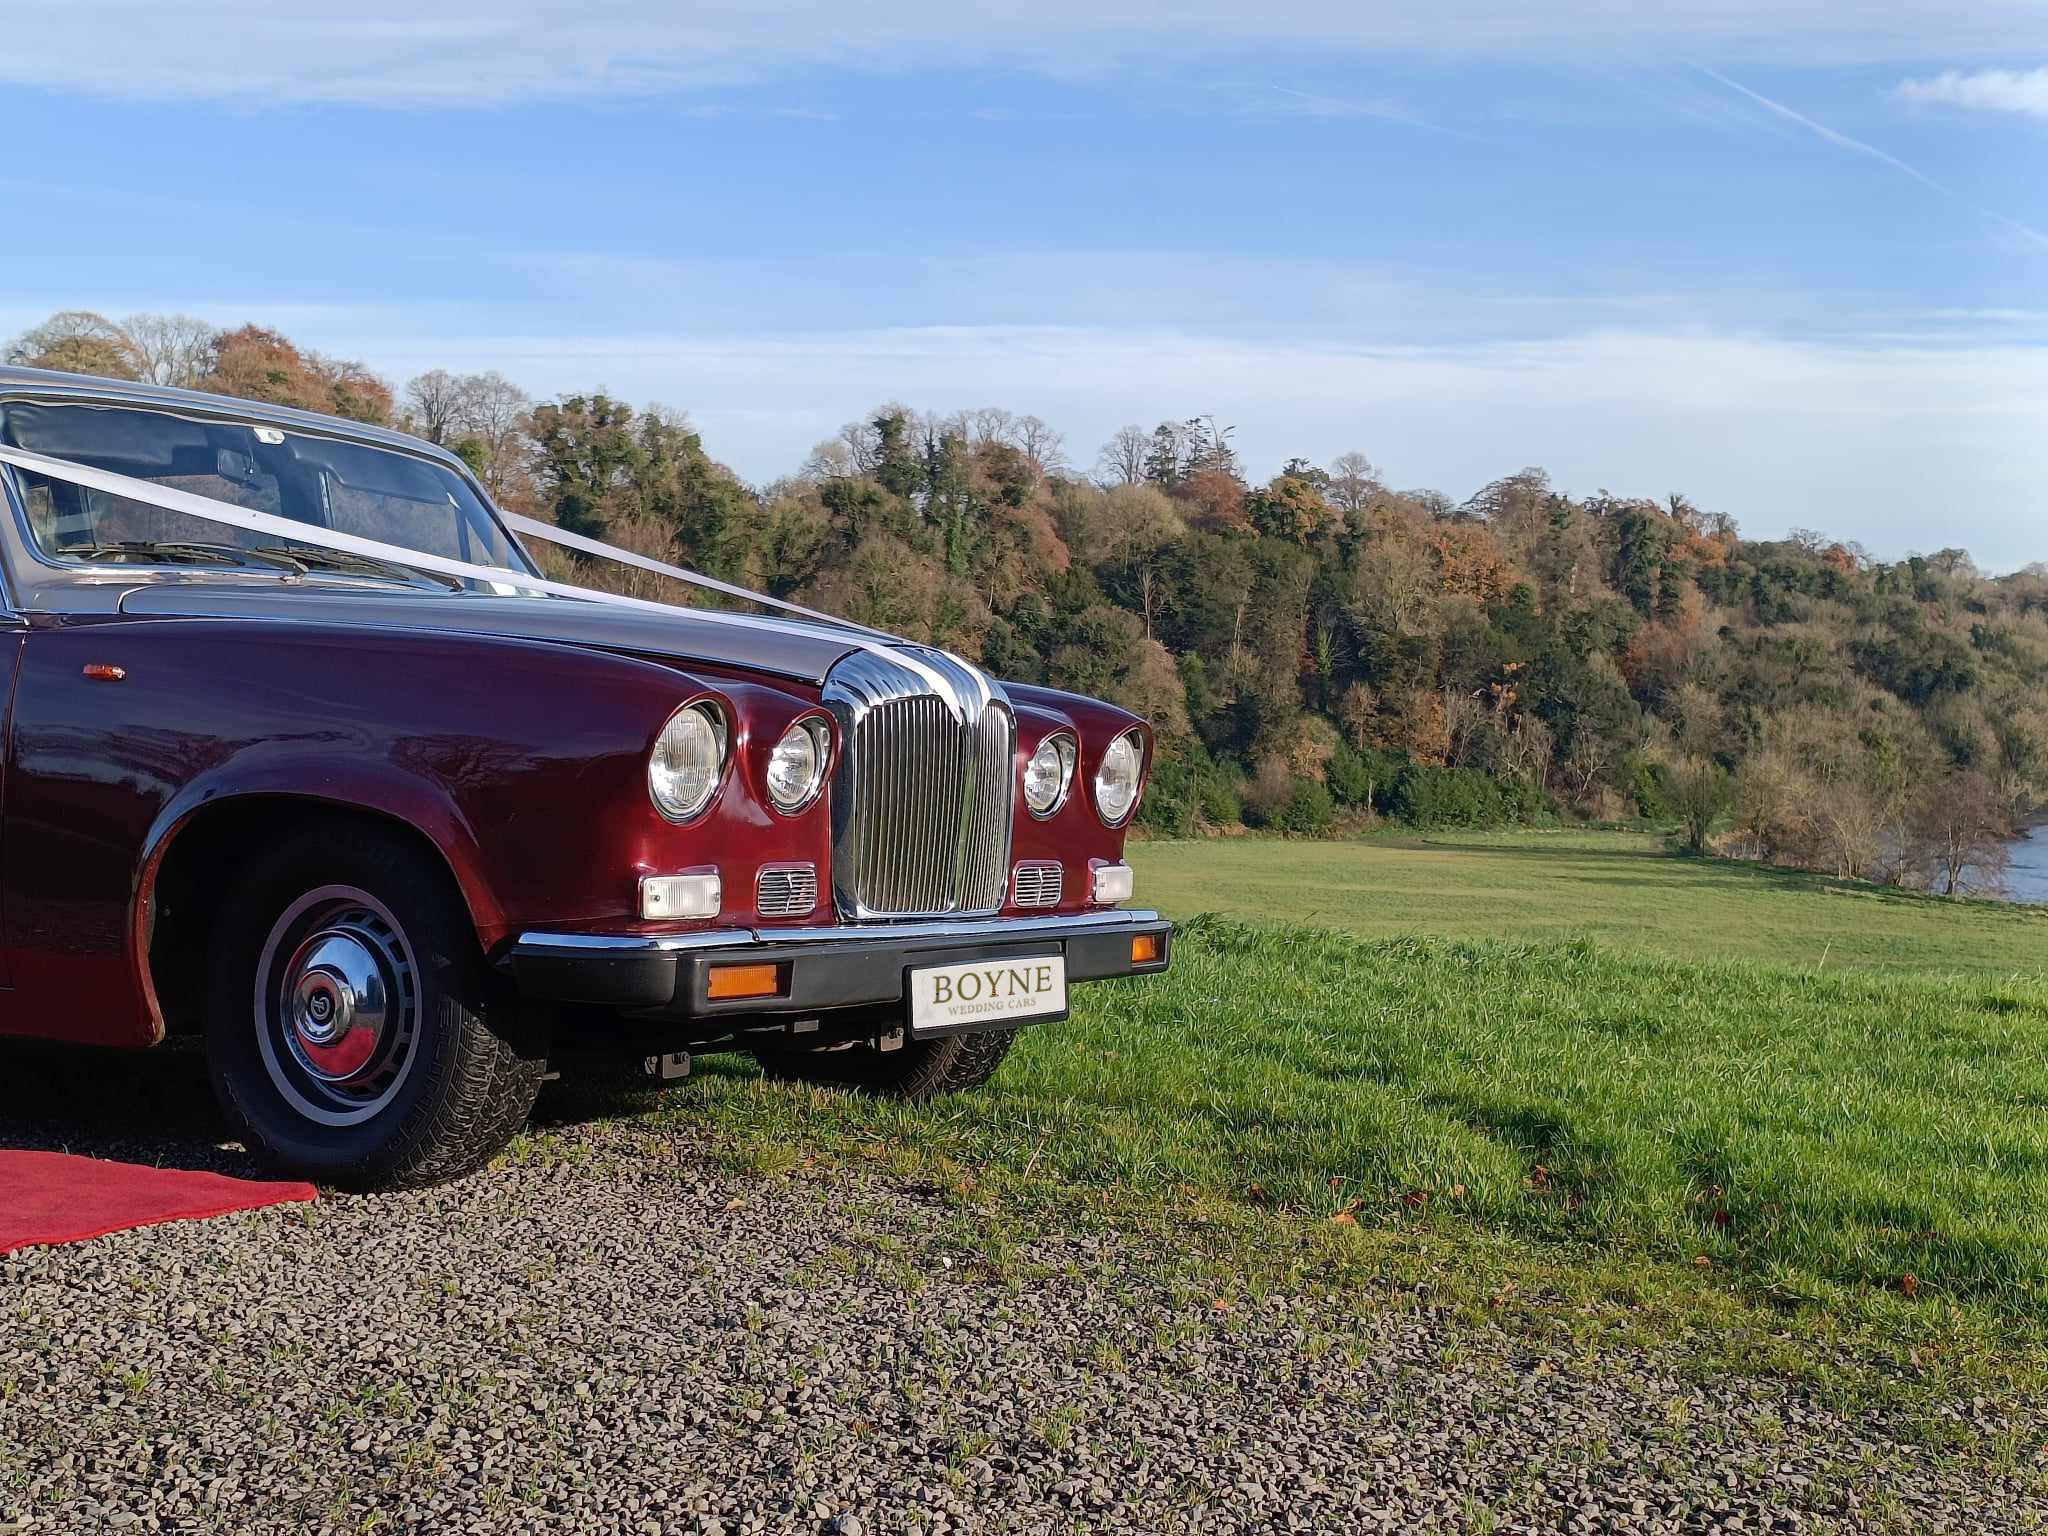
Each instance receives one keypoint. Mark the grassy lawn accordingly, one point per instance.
(1746, 1144)
(1620, 889)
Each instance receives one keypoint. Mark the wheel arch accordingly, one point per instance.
(202, 841)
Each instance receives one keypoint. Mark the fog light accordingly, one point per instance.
(729, 981)
(1145, 949)
(1113, 883)
(680, 895)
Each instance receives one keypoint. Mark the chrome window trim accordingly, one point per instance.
(17, 508)
(997, 930)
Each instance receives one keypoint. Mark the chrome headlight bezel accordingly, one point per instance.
(1067, 755)
(817, 730)
(1128, 746)
(670, 743)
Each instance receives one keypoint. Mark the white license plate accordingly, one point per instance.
(987, 992)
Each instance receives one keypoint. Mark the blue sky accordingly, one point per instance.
(1790, 259)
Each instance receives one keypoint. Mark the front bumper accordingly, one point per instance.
(819, 969)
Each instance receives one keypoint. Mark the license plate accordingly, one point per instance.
(947, 997)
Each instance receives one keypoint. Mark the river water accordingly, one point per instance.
(2027, 878)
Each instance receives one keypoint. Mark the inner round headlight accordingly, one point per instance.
(689, 756)
(1048, 774)
(1116, 781)
(796, 767)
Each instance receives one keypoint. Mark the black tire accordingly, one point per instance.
(449, 1081)
(920, 1070)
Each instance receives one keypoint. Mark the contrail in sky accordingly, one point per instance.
(1857, 146)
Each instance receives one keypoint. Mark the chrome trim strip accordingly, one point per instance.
(633, 943)
(999, 930)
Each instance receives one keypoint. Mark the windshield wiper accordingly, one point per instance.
(311, 557)
(184, 552)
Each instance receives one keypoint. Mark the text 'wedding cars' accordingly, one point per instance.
(304, 755)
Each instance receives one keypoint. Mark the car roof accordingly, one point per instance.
(47, 384)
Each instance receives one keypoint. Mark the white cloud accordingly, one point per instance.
(1906, 429)
(1906, 445)
(479, 51)
(1992, 90)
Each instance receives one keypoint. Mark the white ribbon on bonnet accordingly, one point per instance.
(290, 530)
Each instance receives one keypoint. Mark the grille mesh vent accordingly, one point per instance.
(787, 892)
(1040, 885)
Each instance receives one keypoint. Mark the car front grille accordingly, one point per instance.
(922, 793)
(786, 890)
(1039, 885)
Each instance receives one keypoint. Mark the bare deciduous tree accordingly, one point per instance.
(1961, 830)
(494, 412)
(433, 405)
(1359, 710)
(1526, 750)
(176, 350)
(830, 460)
(1122, 460)
(979, 427)
(1039, 443)
(1463, 714)
(1354, 482)
(1585, 762)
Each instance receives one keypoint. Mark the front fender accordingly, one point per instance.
(523, 762)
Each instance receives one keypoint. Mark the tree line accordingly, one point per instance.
(1315, 650)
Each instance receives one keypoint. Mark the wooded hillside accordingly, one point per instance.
(1318, 645)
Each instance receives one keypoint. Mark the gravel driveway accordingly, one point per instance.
(619, 1336)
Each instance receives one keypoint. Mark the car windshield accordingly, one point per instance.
(372, 493)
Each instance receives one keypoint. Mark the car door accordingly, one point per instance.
(13, 636)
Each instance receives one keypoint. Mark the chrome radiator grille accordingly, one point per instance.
(922, 793)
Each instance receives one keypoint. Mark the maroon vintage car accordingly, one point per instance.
(304, 755)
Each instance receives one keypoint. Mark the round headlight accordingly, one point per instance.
(796, 768)
(689, 757)
(1048, 774)
(1116, 781)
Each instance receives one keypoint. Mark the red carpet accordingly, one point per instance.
(52, 1197)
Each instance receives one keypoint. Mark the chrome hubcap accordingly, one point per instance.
(337, 998)
(338, 1003)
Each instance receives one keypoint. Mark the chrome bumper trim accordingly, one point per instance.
(997, 930)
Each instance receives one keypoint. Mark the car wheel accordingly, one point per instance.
(918, 1070)
(348, 1030)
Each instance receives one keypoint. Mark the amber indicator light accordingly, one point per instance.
(103, 672)
(730, 981)
(1145, 949)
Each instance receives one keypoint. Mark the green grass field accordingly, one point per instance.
(1619, 889)
(1706, 1085)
